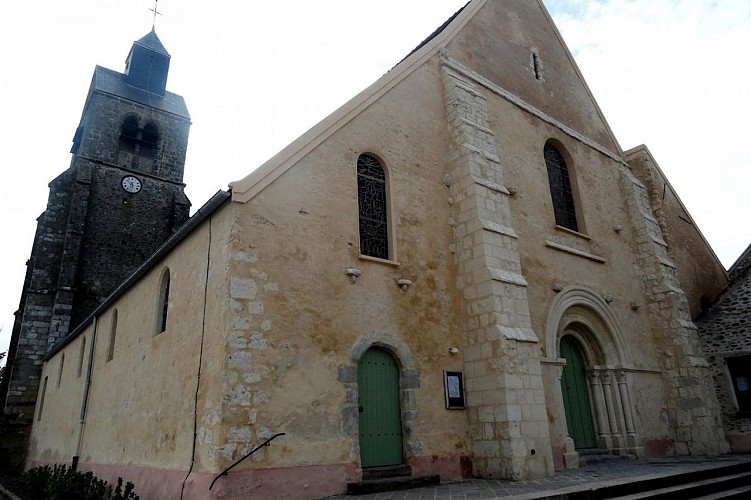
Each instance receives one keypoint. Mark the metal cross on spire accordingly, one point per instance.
(155, 11)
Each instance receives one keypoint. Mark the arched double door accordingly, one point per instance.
(576, 401)
(595, 377)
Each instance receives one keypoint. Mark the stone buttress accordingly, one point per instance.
(691, 407)
(505, 400)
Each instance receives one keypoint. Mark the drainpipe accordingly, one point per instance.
(84, 402)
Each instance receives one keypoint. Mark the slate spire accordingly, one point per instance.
(147, 64)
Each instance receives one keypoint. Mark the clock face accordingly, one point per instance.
(131, 184)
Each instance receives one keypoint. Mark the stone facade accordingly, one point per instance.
(273, 305)
(726, 334)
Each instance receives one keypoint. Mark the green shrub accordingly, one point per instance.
(60, 482)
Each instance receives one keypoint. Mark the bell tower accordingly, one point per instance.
(121, 197)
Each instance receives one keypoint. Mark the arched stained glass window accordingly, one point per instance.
(372, 200)
(560, 188)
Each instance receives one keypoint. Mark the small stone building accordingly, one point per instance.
(459, 272)
(725, 332)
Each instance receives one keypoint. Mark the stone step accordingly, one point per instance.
(741, 492)
(391, 484)
(696, 489)
(592, 456)
(679, 486)
(387, 471)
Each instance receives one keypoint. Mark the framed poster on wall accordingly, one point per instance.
(453, 383)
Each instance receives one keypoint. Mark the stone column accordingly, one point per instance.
(604, 439)
(633, 442)
(611, 409)
(505, 398)
(570, 455)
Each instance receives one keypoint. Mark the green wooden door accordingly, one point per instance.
(575, 396)
(380, 415)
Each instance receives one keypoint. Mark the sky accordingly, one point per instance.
(671, 74)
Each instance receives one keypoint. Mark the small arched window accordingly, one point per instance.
(129, 133)
(149, 138)
(113, 335)
(560, 188)
(138, 141)
(163, 302)
(372, 202)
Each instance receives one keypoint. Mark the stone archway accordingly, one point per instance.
(408, 382)
(581, 317)
(380, 426)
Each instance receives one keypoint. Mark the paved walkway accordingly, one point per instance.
(612, 472)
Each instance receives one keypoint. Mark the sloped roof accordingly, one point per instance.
(112, 82)
(740, 266)
(436, 32)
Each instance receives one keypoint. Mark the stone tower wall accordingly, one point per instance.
(31, 337)
(121, 231)
(101, 123)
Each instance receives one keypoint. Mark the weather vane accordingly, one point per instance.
(155, 11)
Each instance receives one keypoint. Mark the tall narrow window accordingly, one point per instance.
(60, 373)
(81, 355)
(163, 304)
(537, 65)
(113, 334)
(371, 195)
(560, 188)
(41, 400)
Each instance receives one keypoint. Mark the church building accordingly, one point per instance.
(459, 273)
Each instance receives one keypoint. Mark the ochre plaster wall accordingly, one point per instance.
(296, 317)
(55, 432)
(141, 402)
(499, 43)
